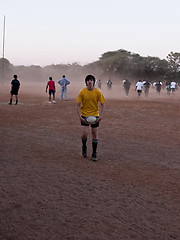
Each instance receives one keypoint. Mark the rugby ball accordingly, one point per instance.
(91, 119)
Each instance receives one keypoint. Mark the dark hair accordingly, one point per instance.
(63, 76)
(89, 77)
(15, 76)
(50, 78)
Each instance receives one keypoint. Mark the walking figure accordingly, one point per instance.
(63, 82)
(138, 87)
(147, 85)
(88, 102)
(109, 84)
(52, 89)
(158, 86)
(126, 85)
(99, 84)
(173, 87)
(15, 85)
(168, 88)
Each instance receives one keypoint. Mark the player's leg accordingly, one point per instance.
(16, 99)
(49, 96)
(61, 93)
(11, 97)
(94, 143)
(126, 91)
(54, 97)
(85, 130)
(138, 93)
(65, 92)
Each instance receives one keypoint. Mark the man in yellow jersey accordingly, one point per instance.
(88, 102)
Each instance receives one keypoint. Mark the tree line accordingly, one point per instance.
(120, 64)
(123, 64)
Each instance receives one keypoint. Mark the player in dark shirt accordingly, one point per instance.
(15, 85)
(147, 85)
(126, 85)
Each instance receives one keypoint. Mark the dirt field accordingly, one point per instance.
(49, 192)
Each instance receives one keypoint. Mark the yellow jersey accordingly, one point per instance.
(90, 100)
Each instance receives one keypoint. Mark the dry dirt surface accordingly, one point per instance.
(48, 191)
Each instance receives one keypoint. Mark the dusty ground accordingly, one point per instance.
(48, 191)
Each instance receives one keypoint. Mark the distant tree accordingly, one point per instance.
(115, 63)
(111, 54)
(72, 71)
(154, 67)
(136, 66)
(29, 74)
(124, 64)
(174, 61)
(173, 66)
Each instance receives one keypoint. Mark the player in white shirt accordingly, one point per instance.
(139, 87)
(173, 87)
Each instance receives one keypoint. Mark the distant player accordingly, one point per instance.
(88, 102)
(147, 85)
(109, 84)
(63, 82)
(15, 85)
(158, 86)
(126, 86)
(99, 84)
(168, 87)
(138, 88)
(173, 87)
(52, 89)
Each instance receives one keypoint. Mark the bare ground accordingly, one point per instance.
(48, 191)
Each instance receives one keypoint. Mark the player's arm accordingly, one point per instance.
(46, 87)
(102, 108)
(60, 82)
(11, 86)
(78, 106)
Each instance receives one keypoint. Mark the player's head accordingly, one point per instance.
(15, 76)
(90, 77)
(50, 78)
(63, 76)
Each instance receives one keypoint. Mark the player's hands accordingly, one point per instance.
(83, 120)
(99, 119)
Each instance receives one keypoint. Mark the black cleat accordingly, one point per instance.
(94, 157)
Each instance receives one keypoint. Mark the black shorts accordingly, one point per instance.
(14, 92)
(51, 92)
(92, 125)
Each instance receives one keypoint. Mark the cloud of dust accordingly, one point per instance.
(36, 85)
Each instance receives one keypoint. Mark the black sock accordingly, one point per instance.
(10, 101)
(16, 101)
(84, 140)
(94, 146)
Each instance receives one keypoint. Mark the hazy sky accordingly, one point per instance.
(42, 32)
